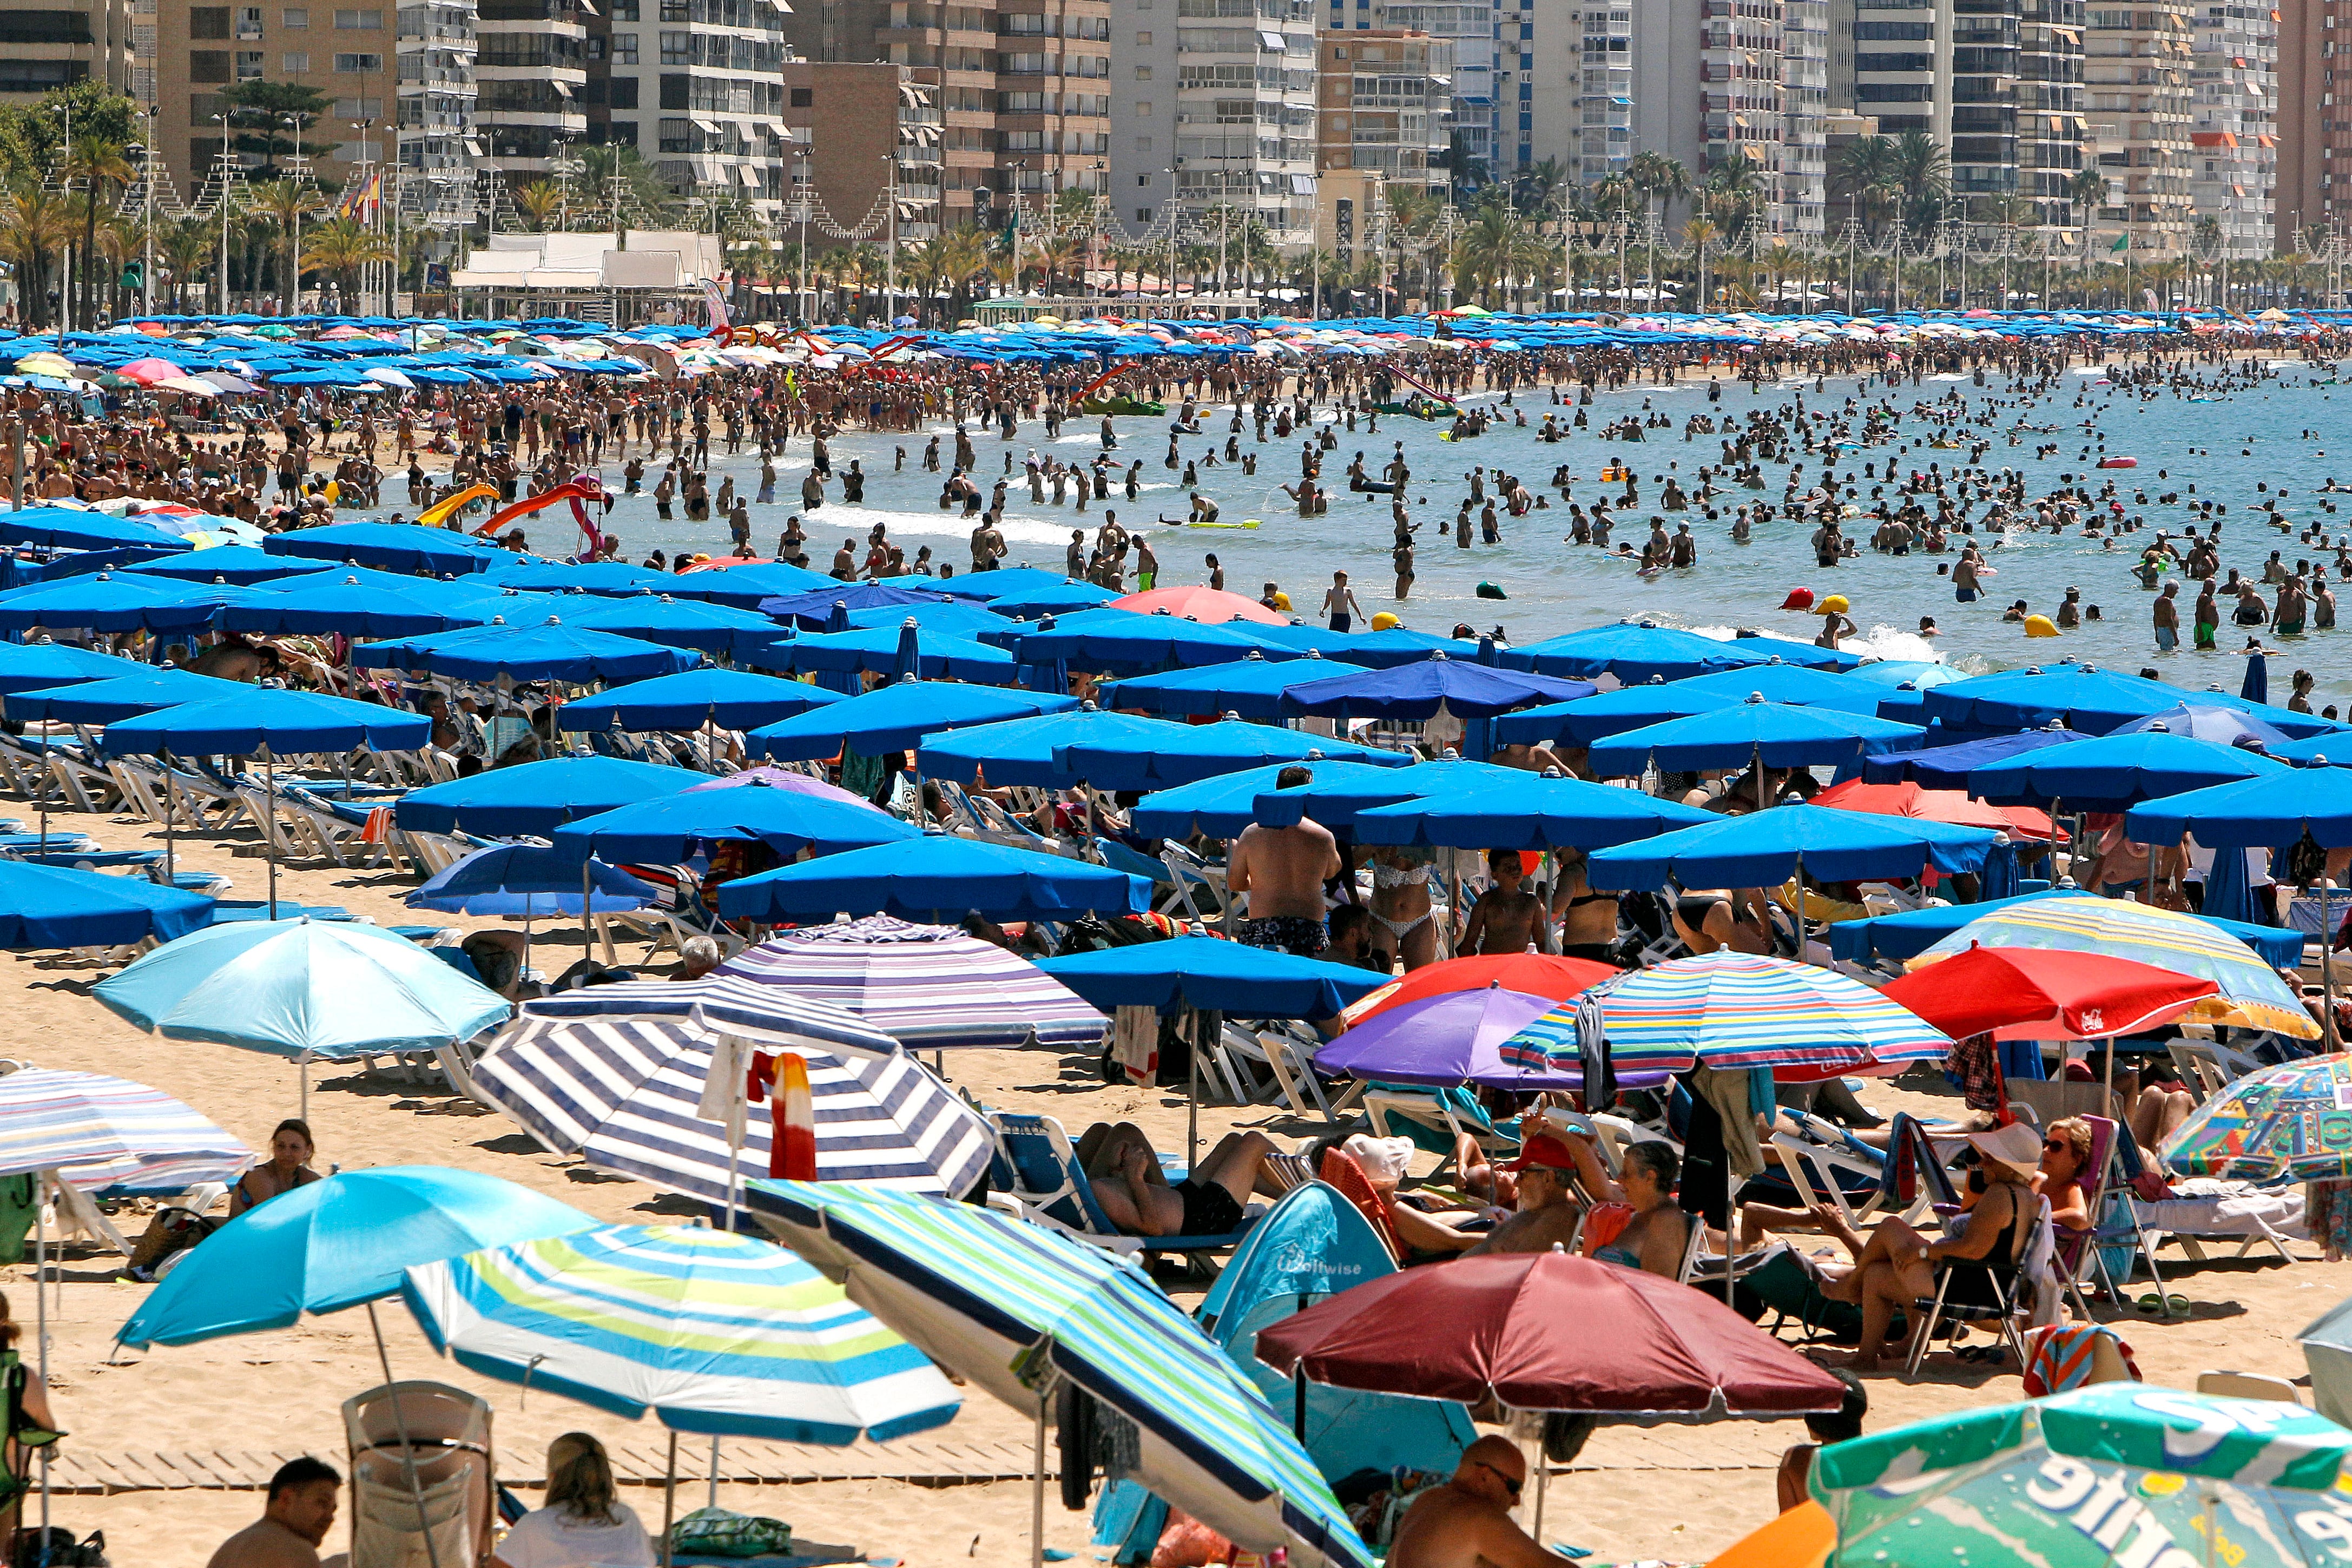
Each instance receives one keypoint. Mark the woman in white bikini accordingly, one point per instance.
(1400, 906)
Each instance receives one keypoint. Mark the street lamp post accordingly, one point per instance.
(294, 215)
(802, 192)
(1014, 190)
(64, 169)
(890, 248)
(223, 118)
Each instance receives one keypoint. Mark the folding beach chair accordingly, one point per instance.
(2201, 1210)
(421, 1461)
(80, 785)
(2248, 1386)
(2010, 1284)
(1050, 1183)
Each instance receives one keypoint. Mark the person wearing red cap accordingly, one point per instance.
(1548, 1208)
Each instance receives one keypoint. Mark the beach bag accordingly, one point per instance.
(1782, 1283)
(716, 1533)
(19, 1204)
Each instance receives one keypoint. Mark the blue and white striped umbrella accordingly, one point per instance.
(624, 1093)
(931, 986)
(102, 1133)
(1014, 1308)
(725, 1335)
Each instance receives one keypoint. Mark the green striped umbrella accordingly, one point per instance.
(728, 1335)
(1015, 1309)
(2121, 1473)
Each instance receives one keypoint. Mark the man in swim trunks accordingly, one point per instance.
(2167, 618)
(1506, 918)
(1136, 1196)
(1283, 870)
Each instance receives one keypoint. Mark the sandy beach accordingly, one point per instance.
(144, 1426)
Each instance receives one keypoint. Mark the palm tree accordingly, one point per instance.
(1660, 179)
(1867, 178)
(1535, 186)
(185, 247)
(1701, 232)
(2087, 193)
(34, 226)
(340, 246)
(1489, 246)
(283, 203)
(1923, 171)
(539, 201)
(1733, 193)
(621, 179)
(964, 260)
(96, 163)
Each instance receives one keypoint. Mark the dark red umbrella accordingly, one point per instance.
(1548, 1331)
(2045, 993)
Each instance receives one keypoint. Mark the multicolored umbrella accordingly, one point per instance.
(108, 1133)
(929, 987)
(2284, 1121)
(2120, 1473)
(1017, 1309)
(625, 1092)
(2250, 995)
(1732, 1010)
(715, 1333)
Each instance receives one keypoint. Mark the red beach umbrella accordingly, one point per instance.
(2037, 994)
(1952, 805)
(1533, 974)
(1503, 1326)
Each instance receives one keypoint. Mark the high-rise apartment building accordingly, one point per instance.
(398, 80)
(1215, 103)
(2051, 127)
(1383, 97)
(530, 70)
(2137, 99)
(2302, 197)
(1477, 31)
(1594, 115)
(1743, 106)
(41, 49)
(861, 135)
(2233, 145)
(695, 86)
(1803, 194)
(1022, 88)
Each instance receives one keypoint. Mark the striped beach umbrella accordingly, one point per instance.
(1734, 1011)
(931, 986)
(714, 1333)
(2250, 997)
(102, 1133)
(1020, 1311)
(627, 1093)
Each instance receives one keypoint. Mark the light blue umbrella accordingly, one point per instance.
(259, 720)
(1766, 848)
(111, 602)
(1027, 750)
(1115, 640)
(2092, 700)
(306, 989)
(548, 651)
(1465, 688)
(587, 577)
(1223, 806)
(1631, 651)
(897, 718)
(1610, 713)
(1251, 687)
(1948, 767)
(537, 798)
(678, 623)
(1197, 751)
(1904, 684)
(337, 603)
(876, 650)
(711, 1333)
(1527, 812)
(2208, 721)
(55, 906)
(676, 827)
(337, 1243)
(2116, 770)
(1754, 732)
(1210, 972)
(933, 876)
(812, 611)
(730, 699)
(43, 665)
(104, 698)
(397, 547)
(241, 564)
(1068, 598)
(71, 528)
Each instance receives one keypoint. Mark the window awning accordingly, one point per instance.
(562, 87)
(707, 127)
(1302, 184)
(1272, 40)
(750, 175)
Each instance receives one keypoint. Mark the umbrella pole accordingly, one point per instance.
(41, 1189)
(269, 848)
(2328, 962)
(1192, 1099)
(302, 1067)
(407, 1449)
(670, 1504)
(1298, 1398)
(171, 864)
(714, 1472)
(1543, 1479)
(1037, 1492)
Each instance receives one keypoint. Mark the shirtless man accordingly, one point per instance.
(1549, 1210)
(295, 1519)
(1283, 870)
(1466, 1522)
(235, 659)
(1507, 917)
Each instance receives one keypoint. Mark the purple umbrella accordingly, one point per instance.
(785, 778)
(1450, 1039)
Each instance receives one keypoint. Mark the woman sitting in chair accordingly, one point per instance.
(1894, 1266)
(2066, 1167)
(1657, 1237)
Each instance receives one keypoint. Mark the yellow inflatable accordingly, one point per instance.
(1384, 621)
(2040, 626)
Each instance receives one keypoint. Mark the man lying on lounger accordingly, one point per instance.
(1135, 1193)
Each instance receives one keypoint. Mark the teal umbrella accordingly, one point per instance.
(2120, 1473)
(304, 989)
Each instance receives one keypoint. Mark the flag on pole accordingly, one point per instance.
(717, 301)
(2122, 244)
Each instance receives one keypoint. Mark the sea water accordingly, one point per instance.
(2223, 448)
